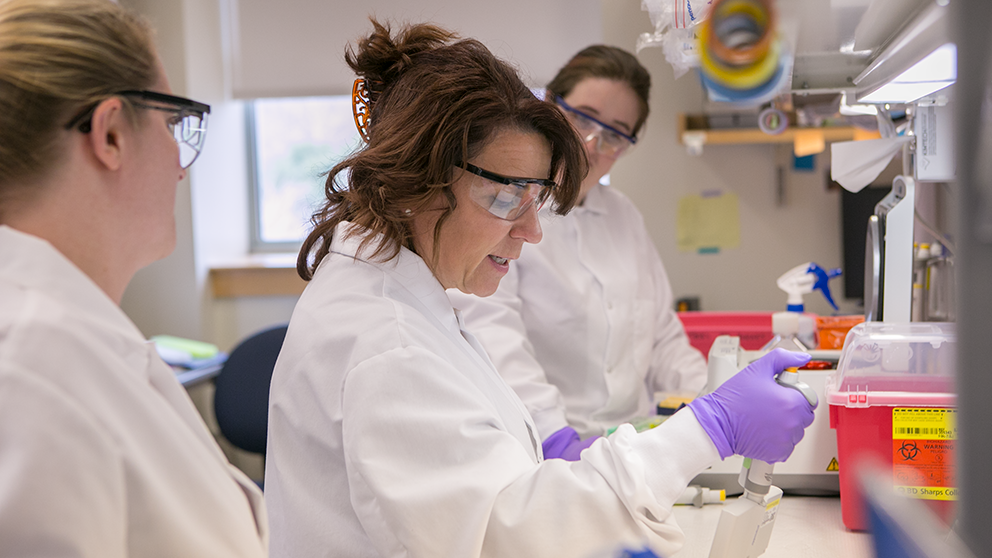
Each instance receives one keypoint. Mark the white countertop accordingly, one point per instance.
(805, 526)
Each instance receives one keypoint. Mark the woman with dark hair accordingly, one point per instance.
(584, 327)
(390, 431)
(101, 451)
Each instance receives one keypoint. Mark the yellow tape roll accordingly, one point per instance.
(758, 12)
(737, 77)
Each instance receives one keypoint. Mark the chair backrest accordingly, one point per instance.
(241, 401)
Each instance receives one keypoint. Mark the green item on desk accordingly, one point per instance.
(195, 349)
(641, 424)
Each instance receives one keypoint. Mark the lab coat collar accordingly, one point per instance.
(595, 202)
(32, 262)
(410, 270)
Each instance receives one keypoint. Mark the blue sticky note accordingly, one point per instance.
(804, 164)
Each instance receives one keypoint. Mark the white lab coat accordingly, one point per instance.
(102, 454)
(391, 434)
(583, 326)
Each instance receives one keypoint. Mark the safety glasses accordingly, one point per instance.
(610, 141)
(507, 197)
(188, 123)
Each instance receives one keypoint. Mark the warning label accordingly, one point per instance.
(922, 452)
(924, 424)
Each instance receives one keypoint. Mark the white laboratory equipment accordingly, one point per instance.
(889, 255)
(812, 467)
(745, 526)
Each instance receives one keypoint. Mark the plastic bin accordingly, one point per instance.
(892, 401)
(753, 328)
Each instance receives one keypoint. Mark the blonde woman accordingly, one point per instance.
(101, 451)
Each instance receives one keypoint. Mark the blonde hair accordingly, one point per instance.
(58, 57)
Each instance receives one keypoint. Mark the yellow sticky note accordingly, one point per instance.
(860, 134)
(709, 223)
(808, 142)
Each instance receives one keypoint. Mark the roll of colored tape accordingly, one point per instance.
(740, 77)
(738, 45)
(742, 30)
(743, 95)
(772, 121)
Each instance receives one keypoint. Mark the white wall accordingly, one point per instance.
(295, 47)
(163, 297)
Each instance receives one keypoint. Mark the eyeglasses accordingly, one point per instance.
(505, 197)
(188, 123)
(610, 141)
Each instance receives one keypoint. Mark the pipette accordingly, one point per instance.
(745, 526)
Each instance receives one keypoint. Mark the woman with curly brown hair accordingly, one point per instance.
(390, 431)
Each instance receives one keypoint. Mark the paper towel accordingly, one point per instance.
(855, 164)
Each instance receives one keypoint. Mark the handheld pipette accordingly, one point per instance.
(745, 525)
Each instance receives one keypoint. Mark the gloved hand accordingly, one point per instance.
(751, 415)
(566, 444)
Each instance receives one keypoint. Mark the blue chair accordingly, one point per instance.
(241, 400)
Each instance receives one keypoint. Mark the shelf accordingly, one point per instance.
(693, 131)
(271, 276)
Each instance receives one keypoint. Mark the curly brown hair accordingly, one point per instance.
(436, 101)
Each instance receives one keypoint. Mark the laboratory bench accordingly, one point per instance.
(806, 526)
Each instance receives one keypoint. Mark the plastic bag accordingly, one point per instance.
(674, 24)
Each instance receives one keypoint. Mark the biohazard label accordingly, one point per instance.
(922, 452)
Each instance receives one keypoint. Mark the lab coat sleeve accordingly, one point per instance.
(432, 473)
(497, 323)
(675, 364)
(61, 478)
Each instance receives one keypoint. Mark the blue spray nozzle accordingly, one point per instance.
(806, 278)
(823, 276)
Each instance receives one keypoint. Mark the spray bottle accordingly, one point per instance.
(792, 329)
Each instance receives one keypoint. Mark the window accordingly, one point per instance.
(294, 141)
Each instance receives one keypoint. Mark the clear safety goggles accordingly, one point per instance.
(610, 141)
(507, 197)
(188, 122)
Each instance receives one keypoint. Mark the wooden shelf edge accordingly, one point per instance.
(231, 282)
(731, 136)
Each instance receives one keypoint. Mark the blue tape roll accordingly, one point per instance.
(742, 95)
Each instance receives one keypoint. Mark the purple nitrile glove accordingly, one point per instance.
(566, 444)
(751, 415)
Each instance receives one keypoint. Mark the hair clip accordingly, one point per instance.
(361, 106)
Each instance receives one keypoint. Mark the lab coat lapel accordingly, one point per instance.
(510, 396)
(435, 304)
(604, 254)
(426, 294)
(163, 380)
(598, 252)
